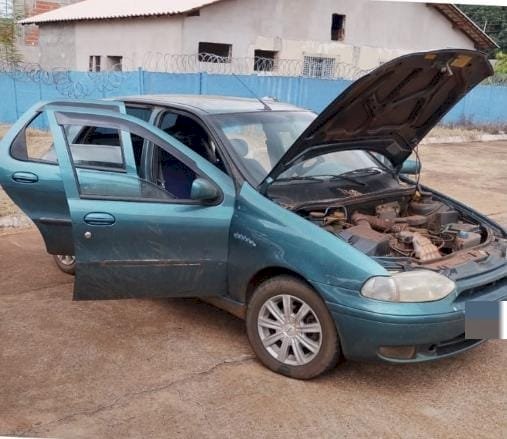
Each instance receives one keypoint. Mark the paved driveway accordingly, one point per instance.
(181, 368)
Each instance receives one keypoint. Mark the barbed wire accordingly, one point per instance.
(314, 67)
(77, 85)
(80, 85)
(74, 85)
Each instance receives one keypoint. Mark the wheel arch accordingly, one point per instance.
(270, 272)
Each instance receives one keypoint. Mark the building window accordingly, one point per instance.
(194, 13)
(338, 27)
(94, 65)
(265, 60)
(215, 52)
(115, 63)
(318, 67)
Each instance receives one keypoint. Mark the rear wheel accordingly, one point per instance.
(291, 329)
(66, 263)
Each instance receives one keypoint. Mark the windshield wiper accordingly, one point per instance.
(322, 178)
(362, 172)
(301, 178)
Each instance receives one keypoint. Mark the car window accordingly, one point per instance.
(34, 142)
(333, 163)
(192, 134)
(109, 136)
(143, 113)
(81, 135)
(96, 147)
(99, 155)
(106, 184)
(260, 139)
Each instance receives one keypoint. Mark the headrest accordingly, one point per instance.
(240, 146)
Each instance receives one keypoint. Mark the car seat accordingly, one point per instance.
(253, 166)
(177, 178)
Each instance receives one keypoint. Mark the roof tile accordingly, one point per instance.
(101, 9)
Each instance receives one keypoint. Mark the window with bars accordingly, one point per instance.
(94, 63)
(318, 67)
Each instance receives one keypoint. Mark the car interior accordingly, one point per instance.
(171, 174)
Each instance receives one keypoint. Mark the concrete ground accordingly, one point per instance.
(181, 368)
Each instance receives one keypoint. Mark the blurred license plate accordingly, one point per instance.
(486, 320)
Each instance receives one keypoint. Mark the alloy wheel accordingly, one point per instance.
(66, 259)
(289, 330)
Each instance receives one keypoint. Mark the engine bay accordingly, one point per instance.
(416, 226)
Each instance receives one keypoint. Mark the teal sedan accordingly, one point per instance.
(311, 228)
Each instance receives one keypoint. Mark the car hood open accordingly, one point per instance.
(391, 109)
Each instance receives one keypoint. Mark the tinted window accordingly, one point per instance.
(140, 112)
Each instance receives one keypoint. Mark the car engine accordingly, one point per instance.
(416, 227)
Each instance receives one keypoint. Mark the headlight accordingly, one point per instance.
(410, 286)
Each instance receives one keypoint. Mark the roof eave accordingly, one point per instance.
(39, 22)
(480, 38)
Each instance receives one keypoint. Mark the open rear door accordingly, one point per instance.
(30, 175)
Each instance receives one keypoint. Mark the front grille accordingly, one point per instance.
(482, 289)
(454, 345)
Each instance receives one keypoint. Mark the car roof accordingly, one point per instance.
(211, 104)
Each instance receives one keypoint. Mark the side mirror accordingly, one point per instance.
(203, 190)
(411, 167)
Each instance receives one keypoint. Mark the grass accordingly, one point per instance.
(470, 131)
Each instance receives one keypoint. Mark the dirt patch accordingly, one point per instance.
(474, 173)
(183, 369)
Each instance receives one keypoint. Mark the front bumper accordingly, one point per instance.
(433, 336)
(362, 337)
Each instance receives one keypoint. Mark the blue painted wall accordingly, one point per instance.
(485, 104)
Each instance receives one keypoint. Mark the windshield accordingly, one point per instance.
(260, 139)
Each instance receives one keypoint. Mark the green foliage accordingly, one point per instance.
(8, 34)
(491, 19)
(501, 63)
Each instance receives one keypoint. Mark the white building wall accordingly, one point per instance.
(374, 32)
(135, 39)
(381, 30)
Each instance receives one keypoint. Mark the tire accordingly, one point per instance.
(289, 345)
(66, 263)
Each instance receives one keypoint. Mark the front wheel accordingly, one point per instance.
(291, 330)
(66, 263)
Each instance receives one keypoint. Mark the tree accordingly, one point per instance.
(8, 33)
(501, 63)
(8, 50)
(492, 20)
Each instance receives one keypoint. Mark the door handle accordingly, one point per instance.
(25, 177)
(99, 219)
